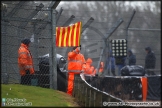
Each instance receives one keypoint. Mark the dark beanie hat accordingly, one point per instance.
(148, 48)
(26, 41)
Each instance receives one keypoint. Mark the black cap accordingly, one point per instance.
(26, 41)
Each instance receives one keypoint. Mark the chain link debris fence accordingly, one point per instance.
(26, 19)
(33, 20)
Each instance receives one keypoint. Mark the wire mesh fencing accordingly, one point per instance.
(146, 38)
(144, 30)
(128, 87)
(32, 19)
(26, 19)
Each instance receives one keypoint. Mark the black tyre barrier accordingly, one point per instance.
(42, 77)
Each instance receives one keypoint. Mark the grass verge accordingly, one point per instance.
(36, 96)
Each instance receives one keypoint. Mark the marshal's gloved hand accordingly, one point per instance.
(77, 50)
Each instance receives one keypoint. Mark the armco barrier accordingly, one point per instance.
(88, 96)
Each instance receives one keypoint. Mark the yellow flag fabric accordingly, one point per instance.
(68, 36)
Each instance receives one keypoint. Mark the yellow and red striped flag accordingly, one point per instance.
(68, 36)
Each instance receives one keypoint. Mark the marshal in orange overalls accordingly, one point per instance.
(75, 62)
(101, 68)
(25, 61)
(87, 68)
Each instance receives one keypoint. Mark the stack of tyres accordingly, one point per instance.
(133, 70)
(44, 74)
(61, 73)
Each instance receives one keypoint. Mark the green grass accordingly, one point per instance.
(38, 96)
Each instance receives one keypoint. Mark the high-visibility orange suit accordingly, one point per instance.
(87, 67)
(75, 62)
(101, 67)
(25, 60)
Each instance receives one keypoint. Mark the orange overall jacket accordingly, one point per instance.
(100, 69)
(25, 61)
(75, 62)
(87, 67)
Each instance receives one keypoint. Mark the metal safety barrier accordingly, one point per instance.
(88, 96)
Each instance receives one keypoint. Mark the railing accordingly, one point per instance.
(88, 96)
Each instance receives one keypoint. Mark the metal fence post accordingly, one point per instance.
(54, 63)
(110, 32)
(129, 24)
(35, 53)
(4, 33)
(127, 31)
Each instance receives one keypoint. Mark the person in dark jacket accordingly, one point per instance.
(150, 61)
(111, 63)
(131, 58)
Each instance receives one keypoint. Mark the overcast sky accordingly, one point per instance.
(140, 4)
